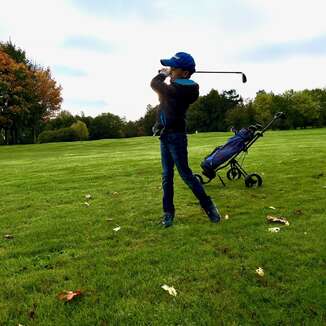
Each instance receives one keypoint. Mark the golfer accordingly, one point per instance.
(175, 99)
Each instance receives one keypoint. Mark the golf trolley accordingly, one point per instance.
(227, 154)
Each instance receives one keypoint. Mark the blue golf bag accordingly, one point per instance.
(221, 154)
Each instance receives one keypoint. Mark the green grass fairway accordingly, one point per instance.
(61, 244)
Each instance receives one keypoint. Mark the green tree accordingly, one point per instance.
(241, 116)
(148, 121)
(81, 129)
(208, 113)
(63, 119)
(307, 108)
(106, 125)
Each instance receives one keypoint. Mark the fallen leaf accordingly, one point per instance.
(272, 207)
(109, 219)
(172, 291)
(8, 236)
(69, 295)
(87, 204)
(226, 217)
(115, 193)
(260, 271)
(274, 230)
(88, 196)
(117, 229)
(274, 219)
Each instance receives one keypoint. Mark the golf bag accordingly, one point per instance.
(234, 145)
(225, 155)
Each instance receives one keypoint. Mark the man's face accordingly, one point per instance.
(176, 73)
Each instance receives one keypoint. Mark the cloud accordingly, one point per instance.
(68, 71)
(279, 51)
(88, 43)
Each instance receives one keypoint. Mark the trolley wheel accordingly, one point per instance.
(233, 173)
(253, 180)
(199, 178)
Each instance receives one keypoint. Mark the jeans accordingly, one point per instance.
(174, 152)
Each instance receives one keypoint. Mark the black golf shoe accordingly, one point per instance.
(212, 213)
(167, 219)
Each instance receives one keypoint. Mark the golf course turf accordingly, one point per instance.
(52, 241)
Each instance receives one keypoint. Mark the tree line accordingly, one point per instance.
(30, 102)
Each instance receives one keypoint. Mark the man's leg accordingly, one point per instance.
(167, 182)
(179, 153)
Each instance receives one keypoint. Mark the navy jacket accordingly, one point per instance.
(174, 102)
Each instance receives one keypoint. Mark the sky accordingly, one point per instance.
(105, 53)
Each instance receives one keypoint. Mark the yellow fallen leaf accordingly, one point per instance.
(117, 229)
(87, 204)
(272, 207)
(172, 291)
(8, 236)
(260, 271)
(88, 196)
(226, 217)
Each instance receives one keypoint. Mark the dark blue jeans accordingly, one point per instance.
(174, 152)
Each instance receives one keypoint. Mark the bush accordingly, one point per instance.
(81, 128)
(59, 135)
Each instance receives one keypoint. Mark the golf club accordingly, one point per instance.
(244, 78)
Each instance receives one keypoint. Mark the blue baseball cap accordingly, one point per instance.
(180, 60)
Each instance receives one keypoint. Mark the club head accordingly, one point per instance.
(244, 78)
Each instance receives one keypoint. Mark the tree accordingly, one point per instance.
(63, 119)
(208, 113)
(81, 130)
(131, 129)
(45, 98)
(14, 52)
(28, 95)
(14, 81)
(241, 116)
(106, 125)
(149, 119)
(307, 109)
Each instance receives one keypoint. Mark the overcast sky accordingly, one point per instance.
(104, 53)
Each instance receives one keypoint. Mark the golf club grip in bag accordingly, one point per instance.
(234, 145)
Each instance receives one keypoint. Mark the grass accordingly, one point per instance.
(60, 244)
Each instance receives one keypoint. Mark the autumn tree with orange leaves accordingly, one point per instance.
(28, 96)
